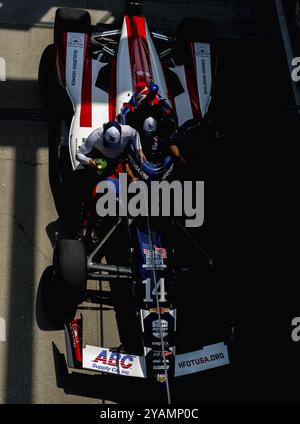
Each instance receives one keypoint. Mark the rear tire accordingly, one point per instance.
(193, 29)
(70, 266)
(71, 20)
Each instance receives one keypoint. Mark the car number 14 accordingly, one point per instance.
(159, 290)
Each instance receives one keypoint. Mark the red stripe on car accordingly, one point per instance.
(190, 68)
(112, 91)
(141, 70)
(169, 88)
(86, 91)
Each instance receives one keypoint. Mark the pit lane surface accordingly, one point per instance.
(30, 369)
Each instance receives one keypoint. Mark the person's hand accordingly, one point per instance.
(93, 163)
(134, 179)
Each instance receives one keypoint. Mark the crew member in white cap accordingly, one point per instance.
(111, 143)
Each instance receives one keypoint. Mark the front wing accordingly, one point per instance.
(101, 359)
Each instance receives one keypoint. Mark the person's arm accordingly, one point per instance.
(138, 146)
(174, 140)
(130, 173)
(86, 148)
(135, 136)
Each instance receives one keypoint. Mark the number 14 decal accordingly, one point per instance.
(159, 289)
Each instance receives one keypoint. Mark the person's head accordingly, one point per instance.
(110, 144)
(153, 88)
(112, 135)
(149, 127)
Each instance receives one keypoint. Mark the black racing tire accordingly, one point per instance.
(193, 29)
(71, 20)
(70, 267)
(55, 95)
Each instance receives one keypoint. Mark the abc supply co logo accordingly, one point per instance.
(113, 362)
(76, 41)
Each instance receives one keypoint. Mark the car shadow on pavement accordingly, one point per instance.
(49, 315)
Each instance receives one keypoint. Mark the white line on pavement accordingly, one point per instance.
(2, 330)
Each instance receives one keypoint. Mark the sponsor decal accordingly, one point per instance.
(156, 328)
(209, 357)
(202, 50)
(154, 258)
(160, 250)
(114, 359)
(143, 73)
(104, 360)
(75, 332)
(201, 360)
(169, 171)
(160, 367)
(137, 168)
(166, 344)
(75, 41)
(74, 69)
(204, 79)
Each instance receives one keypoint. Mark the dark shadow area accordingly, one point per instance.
(49, 315)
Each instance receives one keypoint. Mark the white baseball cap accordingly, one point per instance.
(111, 145)
(150, 126)
(112, 137)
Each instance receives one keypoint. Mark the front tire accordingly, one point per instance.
(71, 20)
(70, 268)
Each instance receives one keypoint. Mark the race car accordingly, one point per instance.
(95, 72)
(89, 73)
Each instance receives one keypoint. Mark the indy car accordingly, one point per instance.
(92, 72)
